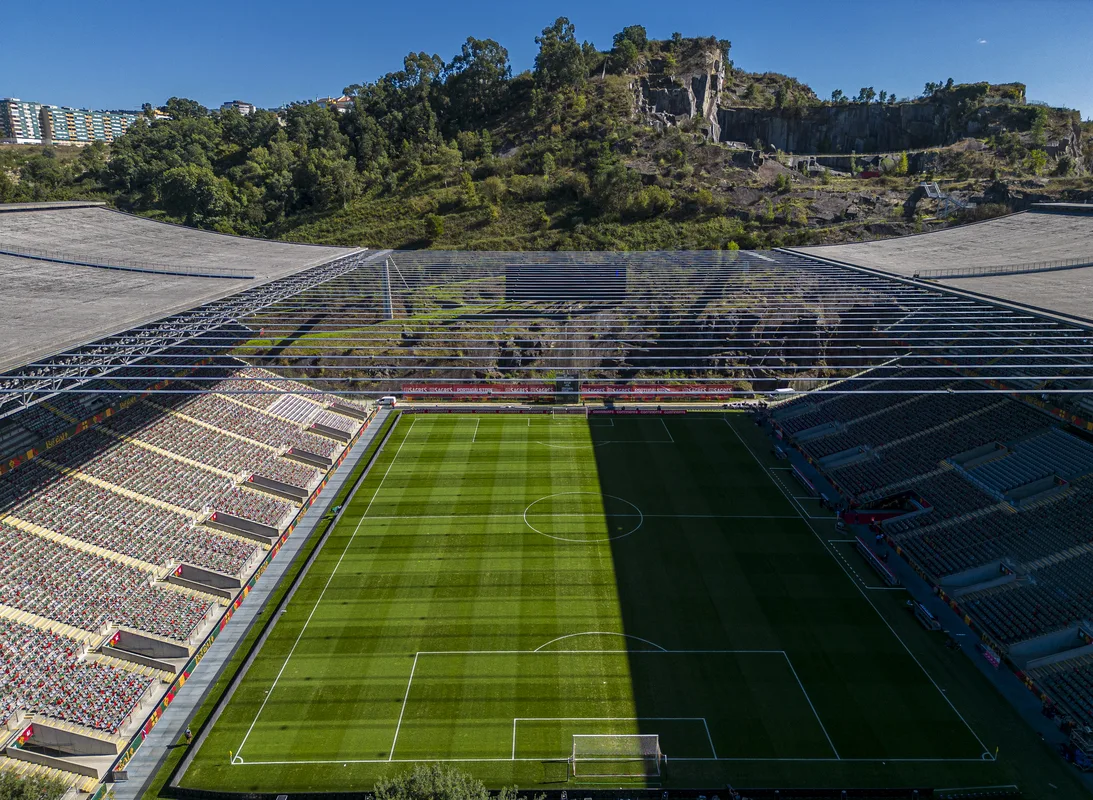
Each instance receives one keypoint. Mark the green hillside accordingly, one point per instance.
(630, 147)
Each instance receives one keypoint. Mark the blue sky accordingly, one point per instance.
(122, 53)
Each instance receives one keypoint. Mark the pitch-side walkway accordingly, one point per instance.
(142, 768)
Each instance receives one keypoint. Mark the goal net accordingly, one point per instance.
(616, 755)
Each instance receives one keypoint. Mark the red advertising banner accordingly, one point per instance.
(636, 390)
(678, 390)
(477, 389)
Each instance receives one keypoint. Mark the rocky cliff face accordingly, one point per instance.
(665, 99)
(667, 94)
(874, 128)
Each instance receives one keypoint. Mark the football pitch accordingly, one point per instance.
(500, 584)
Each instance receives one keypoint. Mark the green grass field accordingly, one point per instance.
(500, 584)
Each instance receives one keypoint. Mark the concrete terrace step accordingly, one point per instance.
(948, 523)
(187, 645)
(895, 486)
(113, 487)
(1055, 558)
(72, 727)
(53, 409)
(886, 410)
(206, 596)
(24, 769)
(131, 666)
(930, 431)
(158, 570)
(168, 454)
(209, 426)
(46, 624)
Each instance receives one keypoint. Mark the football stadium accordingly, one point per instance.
(284, 519)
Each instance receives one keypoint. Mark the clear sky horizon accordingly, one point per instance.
(124, 53)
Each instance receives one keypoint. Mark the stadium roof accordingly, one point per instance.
(1041, 259)
(374, 322)
(74, 273)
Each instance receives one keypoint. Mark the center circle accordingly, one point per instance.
(584, 517)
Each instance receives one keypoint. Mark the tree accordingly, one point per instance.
(632, 33)
(837, 96)
(476, 81)
(1036, 161)
(883, 98)
(560, 62)
(38, 787)
(434, 782)
(1038, 129)
(866, 95)
(195, 193)
(624, 55)
(726, 47)
(92, 158)
(613, 184)
(183, 108)
(493, 188)
(434, 229)
(470, 193)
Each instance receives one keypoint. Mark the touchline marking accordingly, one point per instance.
(333, 572)
(809, 700)
(829, 549)
(665, 424)
(475, 436)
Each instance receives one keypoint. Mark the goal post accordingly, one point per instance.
(616, 755)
